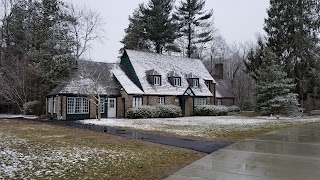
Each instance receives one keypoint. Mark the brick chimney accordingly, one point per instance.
(218, 70)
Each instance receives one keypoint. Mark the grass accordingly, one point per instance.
(32, 150)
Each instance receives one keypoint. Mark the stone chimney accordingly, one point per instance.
(218, 70)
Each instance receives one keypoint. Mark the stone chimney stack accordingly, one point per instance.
(218, 70)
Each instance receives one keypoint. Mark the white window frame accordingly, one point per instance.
(81, 103)
(112, 103)
(49, 105)
(157, 80)
(102, 103)
(218, 102)
(136, 101)
(55, 105)
(200, 101)
(195, 82)
(177, 82)
(161, 100)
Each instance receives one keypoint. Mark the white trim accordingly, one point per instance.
(136, 101)
(49, 105)
(160, 100)
(200, 101)
(195, 82)
(157, 80)
(102, 103)
(77, 105)
(177, 82)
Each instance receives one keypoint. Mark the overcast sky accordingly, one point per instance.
(236, 20)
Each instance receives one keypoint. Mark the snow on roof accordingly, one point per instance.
(125, 82)
(164, 64)
(89, 78)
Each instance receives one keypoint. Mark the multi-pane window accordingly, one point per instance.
(102, 101)
(177, 81)
(157, 80)
(160, 100)
(195, 82)
(70, 105)
(200, 101)
(85, 106)
(77, 105)
(111, 103)
(137, 101)
(219, 102)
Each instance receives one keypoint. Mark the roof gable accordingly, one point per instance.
(164, 65)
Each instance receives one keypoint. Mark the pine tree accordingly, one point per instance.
(274, 90)
(135, 35)
(193, 20)
(159, 26)
(292, 30)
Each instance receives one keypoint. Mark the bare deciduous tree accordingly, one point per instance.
(87, 27)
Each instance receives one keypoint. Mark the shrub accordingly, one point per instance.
(169, 111)
(211, 110)
(33, 108)
(161, 111)
(233, 109)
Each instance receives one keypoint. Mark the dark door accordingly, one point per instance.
(182, 103)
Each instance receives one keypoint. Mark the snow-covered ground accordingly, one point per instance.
(201, 126)
(22, 159)
(13, 116)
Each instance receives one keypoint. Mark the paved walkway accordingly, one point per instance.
(290, 154)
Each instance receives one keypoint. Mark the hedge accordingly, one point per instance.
(160, 111)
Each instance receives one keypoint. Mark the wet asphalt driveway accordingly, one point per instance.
(196, 145)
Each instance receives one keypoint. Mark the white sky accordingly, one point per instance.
(236, 20)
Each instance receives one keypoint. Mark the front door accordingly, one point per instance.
(182, 104)
(112, 107)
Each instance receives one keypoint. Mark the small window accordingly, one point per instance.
(111, 103)
(160, 100)
(157, 80)
(219, 102)
(200, 101)
(49, 105)
(137, 101)
(208, 84)
(55, 105)
(195, 82)
(102, 101)
(177, 82)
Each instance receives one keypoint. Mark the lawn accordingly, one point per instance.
(34, 150)
(232, 128)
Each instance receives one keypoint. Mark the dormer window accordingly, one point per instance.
(157, 80)
(195, 82)
(154, 77)
(177, 82)
(207, 84)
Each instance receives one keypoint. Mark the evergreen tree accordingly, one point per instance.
(293, 35)
(256, 57)
(193, 20)
(274, 90)
(159, 26)
(135, 35)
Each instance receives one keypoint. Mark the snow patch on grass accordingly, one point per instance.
(27, 160)
(15, 116)
(201, 126)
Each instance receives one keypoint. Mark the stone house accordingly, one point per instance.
(141, 78)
